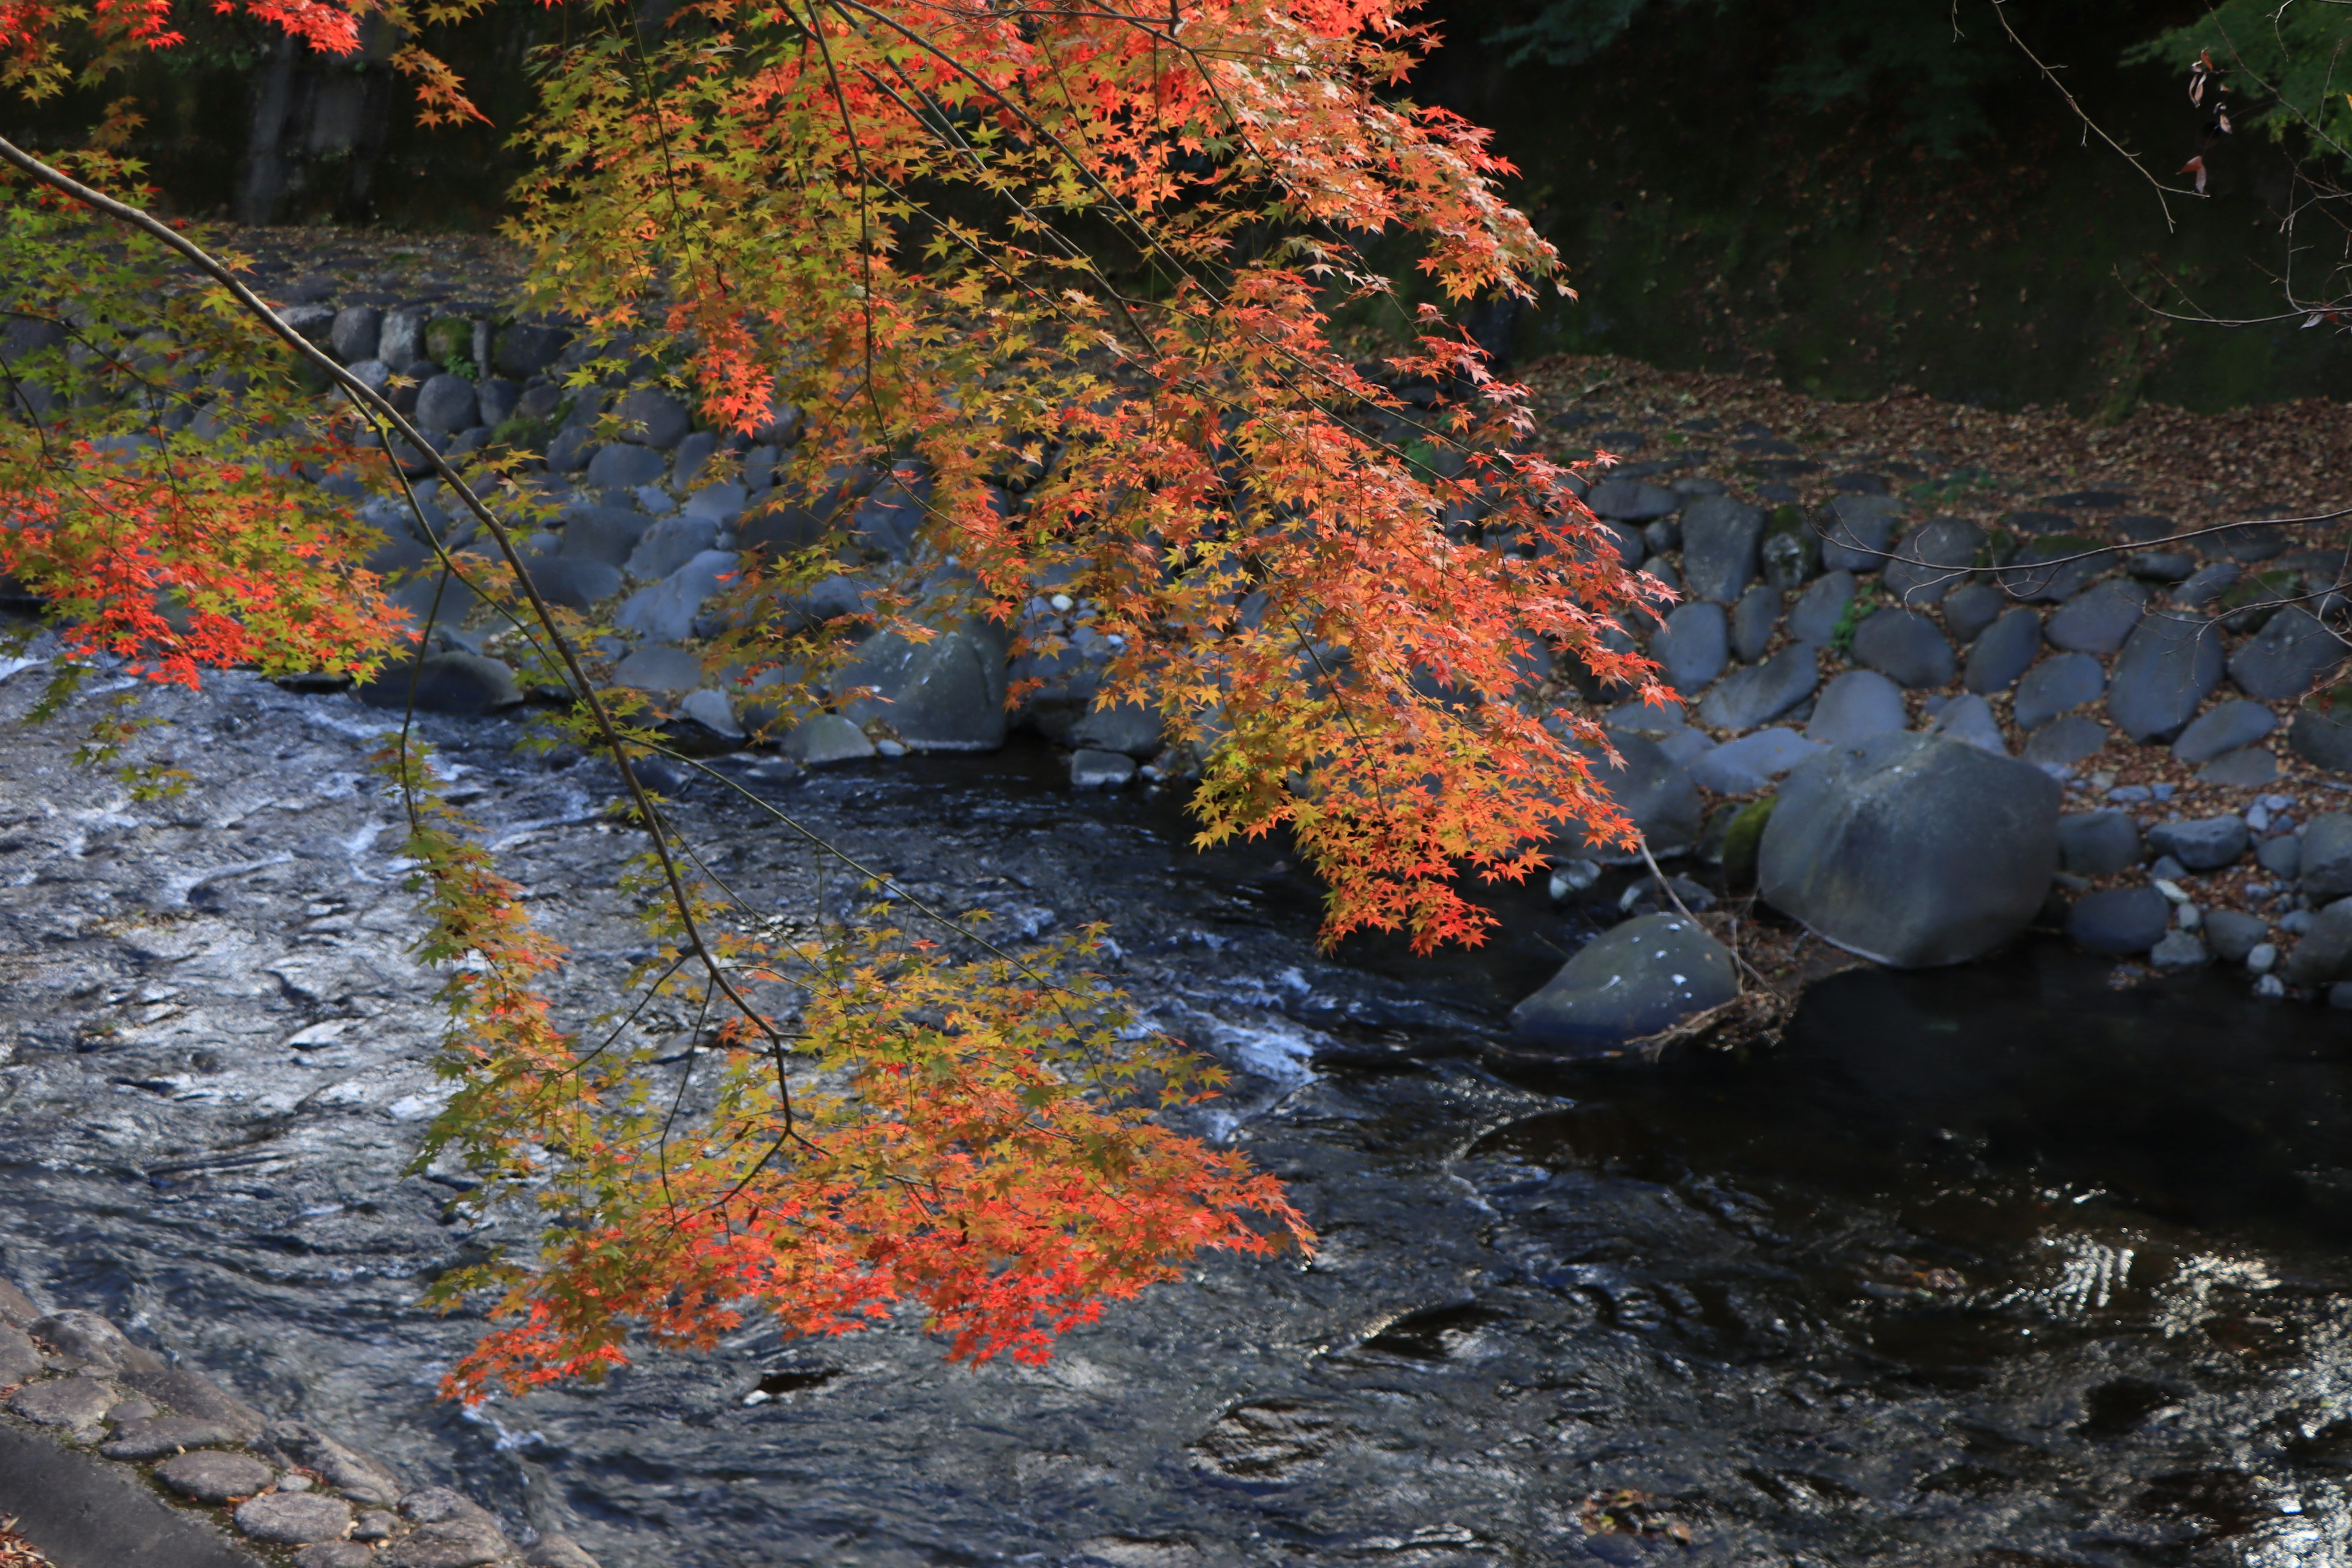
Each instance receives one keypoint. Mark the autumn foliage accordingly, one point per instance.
(1080, 267)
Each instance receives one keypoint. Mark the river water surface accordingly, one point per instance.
(1993, 1266)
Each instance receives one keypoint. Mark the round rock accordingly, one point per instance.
(1695, 648)
(1906, 646)
(2207, 844)
(1761, 692)
(446, 403)
(210, 1476)
(1912, 849)
(2055, 685)
(2119, 920)
(1637, 979)
(1855, 706)
(1820, 607)
(294, 1519)
(2289, 655)
(2004, 651)
(2100, 620)
(1753, 619)
(2065, 741)
(2232, 934)
(1970, 608)
(2323, 736)
(2225, 729)
(2098, 843)
(1932, 560)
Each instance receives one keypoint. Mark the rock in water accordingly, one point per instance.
(1643, 976)
(2168, 665)
(2120, 920)
(944, 695)
(1912, 850)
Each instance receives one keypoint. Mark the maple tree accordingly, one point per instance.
(1077, 266)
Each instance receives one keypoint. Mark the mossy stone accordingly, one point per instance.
(1741, 839)
(448, 340)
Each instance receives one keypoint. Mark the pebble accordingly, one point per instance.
(2261, 957)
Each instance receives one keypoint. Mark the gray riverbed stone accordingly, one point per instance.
(670, 544)
(1856, 531)
(1791, 555)
(2323, 736)
(1636, 979)
(2177, 950)
(823, 738)
(605, 533)
(467, 684)
(556, 1551)
(355, 1475)
(294, 1519)
(1652, 721)
(666, 611)
(1854, 706)
(1912, 849)
(573, 582)
(1753, 621)
(2287, 658)
(446, 403)
(2099, 621)
(2282, 857)
(1820, 608)
(2098, 843)
(1092, 770)
(2160, 565)
(2056, 686)
(2170, 665)
(660, 668)
(1761, 692)
(2004, 651)
(1906, 646)
(1652, 788)
(625, 466)
(1970, 720)
(1695, 647)
(651, 417)
(2326, 867)
(1128, 728)
(334, 1554)
(2224, 728)
(92, 1340)
(2119, 920)
(2233, 933)
(2323, 952)
(1631, 501)
(210, 1476)
(2069, 571)
(1932, 560)
(1751, 762)
(358, 329)
(2204, 844)
(2242, 769)
(2206, 585)
(2064, 741)
(1720, 539)
(1971, 607)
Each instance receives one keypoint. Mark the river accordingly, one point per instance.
(1992, 1265)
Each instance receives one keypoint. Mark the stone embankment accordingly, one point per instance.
(213, 1482)
(1922, 712)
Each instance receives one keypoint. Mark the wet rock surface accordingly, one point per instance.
(1539, 1286)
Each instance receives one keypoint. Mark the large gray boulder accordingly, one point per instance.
(2323, 736)
(1641, 977)
(1652, 788)
(665, 612)
(1720, 537)
(944, 695)
(2170, 665)
(1912, 850)
(2326, 859)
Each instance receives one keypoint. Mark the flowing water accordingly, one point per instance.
(1994, 1266)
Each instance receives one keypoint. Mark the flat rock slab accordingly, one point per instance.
(1751, 762)
(1855, 706)
(2224, 728)
(1721, 538)
(1761, 692)
(2242, 769)
(212, 1476)
(2066, 740)
(158, 1436)
(2003, 651)
(2170, 665)
(294, 1519)
(2100, 620)
(1639, 978)
(2054, 686)
(2286, 658)
(85, 1513)
(1912, 850)
(75, 1402)
(1906, 646)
